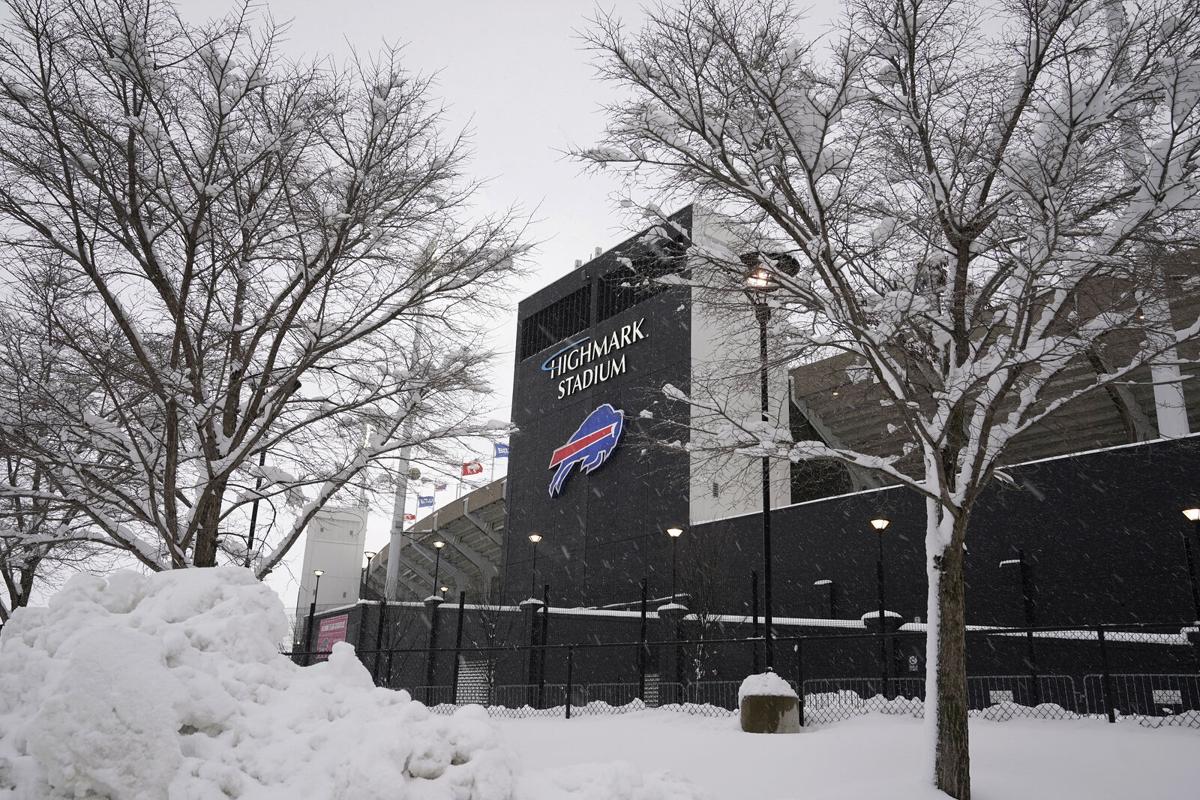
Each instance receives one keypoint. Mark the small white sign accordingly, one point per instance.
(1168, 697)
(1000, 696)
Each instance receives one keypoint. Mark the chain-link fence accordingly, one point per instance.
(1149, 674)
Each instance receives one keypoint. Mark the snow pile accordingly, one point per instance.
(766, 684)
(140, 687)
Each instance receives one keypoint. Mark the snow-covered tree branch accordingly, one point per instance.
(247, 263)
(979, 209)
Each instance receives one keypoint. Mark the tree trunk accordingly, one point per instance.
(205, 552)
(952, 761)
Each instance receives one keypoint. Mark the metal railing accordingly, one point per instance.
(1083, 682)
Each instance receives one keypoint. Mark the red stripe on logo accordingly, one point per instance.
(567, 450)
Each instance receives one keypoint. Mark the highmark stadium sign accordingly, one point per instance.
(590, 361)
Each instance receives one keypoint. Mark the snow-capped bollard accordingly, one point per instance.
(768, 705)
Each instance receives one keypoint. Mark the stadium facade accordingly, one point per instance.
(1087, 529)
(1093, 508)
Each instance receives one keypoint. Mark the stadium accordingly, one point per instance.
(600, 535)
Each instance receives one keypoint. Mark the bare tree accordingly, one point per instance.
(972, 206)
(252, 263)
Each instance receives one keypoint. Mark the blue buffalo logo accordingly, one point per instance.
(590, 445)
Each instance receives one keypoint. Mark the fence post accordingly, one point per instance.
(570, 678)
(800, 679)
(431, 654)
(541, 695)
(754, 620)
(642, 651)
(312, 612)
(462, 602)
(383, 607)
(1105, 676)
(1027, 608)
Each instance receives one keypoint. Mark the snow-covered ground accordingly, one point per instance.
(168, 687)
(875, 757)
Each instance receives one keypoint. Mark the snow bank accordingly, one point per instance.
(140, 687)
(766, 684)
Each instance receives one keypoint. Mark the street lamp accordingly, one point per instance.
(444, 589)
(758, 283)
(437, 561)
(534, 538)
(362, 582)
(1027, 613)
(312, 613)
(1192, 514)
(828, 584)
(674, 533)
(880, 525)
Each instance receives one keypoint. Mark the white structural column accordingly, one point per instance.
(1170, 404)
(391, 586)
(724, 360)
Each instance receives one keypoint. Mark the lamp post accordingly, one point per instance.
(880, 525)
(828, 584)
(674, 533)
(362, 582)
(759, 281)
(312, 613)
(534, 538)
(1192, 514)
(1027, 615)
(437, 563)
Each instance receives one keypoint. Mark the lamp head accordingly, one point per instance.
(675, 532)
(880, 524)
(1192, 513)
(369, 554)
(439, 544)
(759, 274)
(318, 572)
(445, 589)
(535, 537)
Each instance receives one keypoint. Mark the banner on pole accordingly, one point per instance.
(424, 501)
(472, 468)
(501, 449)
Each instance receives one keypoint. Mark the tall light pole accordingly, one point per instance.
(759, 283)
(312, 613)
(437, 563)
(674, 533)
(1027, 614)
(880, 525)
(534, 538)
(362, 582)
(828, 584)
(1192, 514)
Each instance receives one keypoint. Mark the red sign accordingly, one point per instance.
(472, 468)
(330, 631)
(409, 517)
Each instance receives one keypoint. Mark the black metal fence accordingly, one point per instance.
(1147, 673)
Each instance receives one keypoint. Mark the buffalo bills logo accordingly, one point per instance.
(590, 445)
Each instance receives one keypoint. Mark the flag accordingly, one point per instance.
(440, 486)
(501, 449)
(424, 501)
(472, 468)
(410, 517)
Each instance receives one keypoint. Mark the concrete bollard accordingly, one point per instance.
(767, 704)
